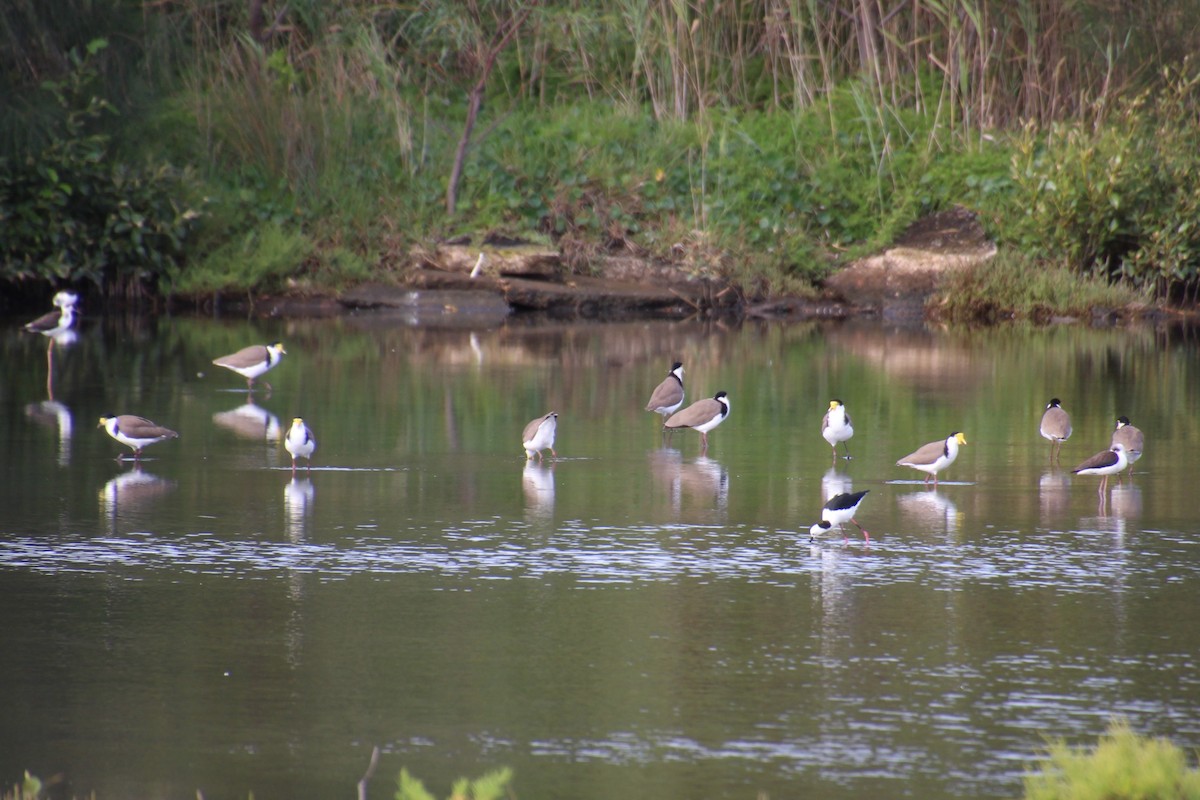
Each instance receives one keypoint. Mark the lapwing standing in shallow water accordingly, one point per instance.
(1055, 426)
(935, 456)
(702, 415)
(1105, 463)
(840, 509)
(1132, 438)
(667, 397)
(251, 362)
(836, 427)
(300, 443)
(539, 435)
(135, 432)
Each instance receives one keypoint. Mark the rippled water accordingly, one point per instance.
(636, 618)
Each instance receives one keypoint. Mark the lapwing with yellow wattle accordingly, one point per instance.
(667, 397)
(299, 442)
(135, 432)
(702, 415)
(1055, 426)
(935, 456)
(836, 427)
(539, 435)
(1105, 463)
(1133, 439)
(840, 509)
(253, 361)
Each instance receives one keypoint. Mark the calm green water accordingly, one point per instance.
(632, 620)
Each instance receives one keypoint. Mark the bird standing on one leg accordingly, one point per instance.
(251, 362)
(836, 427)
(300, 443)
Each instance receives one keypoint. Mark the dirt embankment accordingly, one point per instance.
(466, 281)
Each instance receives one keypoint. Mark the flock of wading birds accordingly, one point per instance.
(703, 416)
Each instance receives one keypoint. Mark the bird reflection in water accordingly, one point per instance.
(129, 493)
(249, 421)
(834, 483)
(702, 479)
(1054, 495)
(537, 483)
(931, 511)
(298, 496)
(53, 414)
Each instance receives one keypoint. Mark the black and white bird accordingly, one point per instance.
(667, 397)
(838, 511)
(135, 432)
(1105, 463)
(253, 361)
(1133, 439)
(55, 323)
(539, 435)
(1055, 426)
(836, 427)
(299, 442)
(935, 456)
(702, 415)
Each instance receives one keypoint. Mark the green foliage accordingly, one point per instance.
(261, 259)
(491, 786)
(1120, 199)
(1014, 285)
(1122, 766)
(70, 212)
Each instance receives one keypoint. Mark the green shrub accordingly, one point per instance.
(1122, 766)
(491, 786)
(71, 213)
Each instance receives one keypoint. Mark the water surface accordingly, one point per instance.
(634, 619)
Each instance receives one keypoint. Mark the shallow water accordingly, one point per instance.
(633, 619)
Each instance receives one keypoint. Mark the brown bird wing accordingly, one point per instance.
(1131, 437)
(1105, 458)
(697, 413)
(137, 427)
(925, 455)
(532, 428)
(1056, 422)
(667, 393)
(824, 422)
(45, 322)
(246, 357)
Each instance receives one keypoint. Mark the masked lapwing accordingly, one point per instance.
(300, 443)
(840, 509)
(1132, 438)
(935, 456)
(1105, 463)
(135, 432)
(702, 415)
(1055, 426)
(836, 427)
(539, 435)
(253, 361)
(667, 397)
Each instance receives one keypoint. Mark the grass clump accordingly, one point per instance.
(491, 786)
(1122, 766)
(1014, 285)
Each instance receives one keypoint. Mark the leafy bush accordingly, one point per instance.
(69, 214)
(491, 786)
(1123, 766)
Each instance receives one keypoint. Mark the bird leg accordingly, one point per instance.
(866, 536)
(846, 445)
